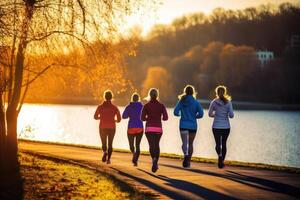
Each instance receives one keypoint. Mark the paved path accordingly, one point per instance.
(171, 181)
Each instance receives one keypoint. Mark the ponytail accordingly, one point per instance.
(221, 93)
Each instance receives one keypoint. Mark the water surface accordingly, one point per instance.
(270, 137)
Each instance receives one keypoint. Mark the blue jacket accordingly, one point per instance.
(189, 110)
(133, 112)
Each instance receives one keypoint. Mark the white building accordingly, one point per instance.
(264, 57)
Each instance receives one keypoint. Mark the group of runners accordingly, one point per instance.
(188, 108)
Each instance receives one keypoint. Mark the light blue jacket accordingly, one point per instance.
(221, 112)
(189, 110)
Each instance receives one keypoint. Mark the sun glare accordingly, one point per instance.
(171, 9)
(37, 122)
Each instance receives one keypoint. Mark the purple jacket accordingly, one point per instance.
(133, 112)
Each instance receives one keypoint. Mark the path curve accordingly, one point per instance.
(171, 181)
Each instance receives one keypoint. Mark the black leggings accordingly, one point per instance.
(107, 134)
(138, 138)
(221, 136)
(153, 140)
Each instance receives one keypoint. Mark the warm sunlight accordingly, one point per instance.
(37, 122)
(146, 99)
(171, 9)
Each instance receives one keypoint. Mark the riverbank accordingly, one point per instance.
(178, 157)
(50, 178)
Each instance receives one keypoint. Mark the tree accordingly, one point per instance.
(211, 57)
(159, 78)
(46, 28)
(237, 64)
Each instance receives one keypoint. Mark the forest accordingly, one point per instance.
(198, 49)
(207, 50)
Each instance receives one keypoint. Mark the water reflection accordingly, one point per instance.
(257, 136)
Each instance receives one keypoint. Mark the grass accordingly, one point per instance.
(195, 159)
(46, 178)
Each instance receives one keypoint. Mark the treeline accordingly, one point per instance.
(203, 50)
(207, 50)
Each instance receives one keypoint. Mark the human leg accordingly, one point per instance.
(225, 135)
(217, 135)
(103, 137)
(138, 138)
(192, 135)
(111, 134)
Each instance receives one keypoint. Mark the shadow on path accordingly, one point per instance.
(190, 187)
(159, 189)
(259, 183)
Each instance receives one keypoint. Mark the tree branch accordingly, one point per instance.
(38, 74)
(83, 15)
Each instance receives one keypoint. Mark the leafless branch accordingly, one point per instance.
(38, 75)
(83, 15)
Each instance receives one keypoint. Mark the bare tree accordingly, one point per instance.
(44, 27)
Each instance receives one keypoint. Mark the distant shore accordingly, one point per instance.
(195, 159)
(240, 105)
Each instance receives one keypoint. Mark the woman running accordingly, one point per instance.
(221, 109)
(135, 126)
(189, 110)
(153, 112)
(108, 114)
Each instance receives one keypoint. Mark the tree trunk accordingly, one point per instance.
(2, 134)
(9, 165)
(11, 183)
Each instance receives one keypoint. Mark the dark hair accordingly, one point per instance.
(221, 93)
(152, 94)
(188, 90)
(108, 95)
(135, 97)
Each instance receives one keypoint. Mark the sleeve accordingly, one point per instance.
(177, 109)
(118, 115)
(144, 113)
(200, 111)
(125, 114)
(164, 114)
(211, 110)
(230, 113)
(97, 113)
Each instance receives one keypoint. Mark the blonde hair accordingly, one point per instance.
(188, 90)
(108, 95)
(135, 97)
(153, 93)
(221, 93)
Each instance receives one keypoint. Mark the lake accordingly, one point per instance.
(270, 137)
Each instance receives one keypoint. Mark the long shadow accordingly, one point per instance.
(191, 187)
(251, 181)
(151, 185)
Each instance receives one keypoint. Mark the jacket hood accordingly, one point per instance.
(136, 103)
(187, 100)
(219, 102)
(106, 103)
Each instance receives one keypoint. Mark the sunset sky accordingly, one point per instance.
(170, 9)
